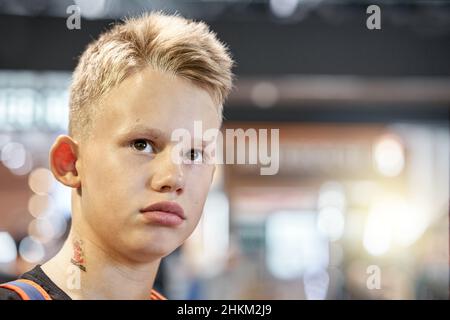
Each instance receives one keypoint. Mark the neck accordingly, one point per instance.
(85, 270)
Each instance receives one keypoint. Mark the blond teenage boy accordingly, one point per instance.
(131, 203)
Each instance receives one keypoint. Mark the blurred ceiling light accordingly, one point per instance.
(264, 94)
(361, 192)
(91, 9)
(316, 285)
(389, 156)
(38, 205)
(13, 155)
(293, 245)
(393, 220)
(410, 221)
(31, 251)
(283, 8)
(56, 115)
(8, 250)
(332, 194)
(378, 229)
(41, 181)
(410, 227)
(20, 111)
(330, 223)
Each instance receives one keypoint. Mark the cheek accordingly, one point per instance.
(110, 181)
(198, 188)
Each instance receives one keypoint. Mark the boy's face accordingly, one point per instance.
(126, 164)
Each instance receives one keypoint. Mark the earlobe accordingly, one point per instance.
(63, 158)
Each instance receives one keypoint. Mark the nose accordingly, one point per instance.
(168, 175)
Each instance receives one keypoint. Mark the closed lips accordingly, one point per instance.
(166, 206)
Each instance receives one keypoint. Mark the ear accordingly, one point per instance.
(63, 158)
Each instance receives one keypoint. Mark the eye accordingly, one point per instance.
(142, 145)
(194, 155)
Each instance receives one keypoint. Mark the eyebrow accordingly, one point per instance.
(154, 133)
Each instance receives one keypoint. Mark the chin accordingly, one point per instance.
(149, 249)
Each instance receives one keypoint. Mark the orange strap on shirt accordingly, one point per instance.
(30, 290)
(27, 289)
(155, 295)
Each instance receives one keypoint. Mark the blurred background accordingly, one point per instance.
(359, 208)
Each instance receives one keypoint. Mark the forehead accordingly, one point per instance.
(156, 100)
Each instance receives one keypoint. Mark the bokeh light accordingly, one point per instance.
(38, 205)
(31, 250)
(264, 94)
(8, 252)
(13, 155)
(41, 181)
(389, 156)
(330, 223)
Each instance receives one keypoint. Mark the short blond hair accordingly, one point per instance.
(168, 43)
